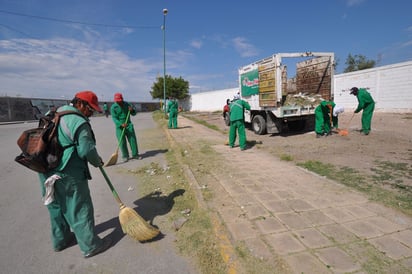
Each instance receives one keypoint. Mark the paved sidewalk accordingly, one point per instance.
(314, 224)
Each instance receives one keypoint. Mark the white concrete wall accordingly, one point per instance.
(390, 87)
(209, 101)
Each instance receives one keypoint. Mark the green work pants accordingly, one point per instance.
(322, 122)
(172, 119)
(72, 209)
(129, 136)
(367, 117)
(239, 127)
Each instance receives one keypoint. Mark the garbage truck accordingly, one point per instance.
(278, 103)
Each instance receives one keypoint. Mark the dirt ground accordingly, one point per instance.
(385, 154)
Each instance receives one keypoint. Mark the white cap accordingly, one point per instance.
(337, 110)
(236, 96)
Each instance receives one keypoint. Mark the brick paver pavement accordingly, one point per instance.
(316, 225)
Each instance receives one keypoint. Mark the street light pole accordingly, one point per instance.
(164, 59)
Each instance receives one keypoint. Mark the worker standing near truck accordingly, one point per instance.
(326, 118)
(323, 118)
(367, 104)
(226, 111)
(237, 121)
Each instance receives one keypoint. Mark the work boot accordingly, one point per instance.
(107, 242)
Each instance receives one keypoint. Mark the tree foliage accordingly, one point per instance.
(358, 62)
(175, 87)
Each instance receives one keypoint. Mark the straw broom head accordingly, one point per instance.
(135, 226)
(113, 159)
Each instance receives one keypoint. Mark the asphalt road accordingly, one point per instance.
(25, 228)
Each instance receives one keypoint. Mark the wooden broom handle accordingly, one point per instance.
(114, 192)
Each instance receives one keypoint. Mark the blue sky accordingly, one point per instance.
(52, 49)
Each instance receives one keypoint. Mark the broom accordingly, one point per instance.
(115, 155)
(132, 223)
(345, 132)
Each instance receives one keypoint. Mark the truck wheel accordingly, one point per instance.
(259, 125)
(227, 119)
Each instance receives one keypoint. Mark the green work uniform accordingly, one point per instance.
(172, 109)
(237, 122)
(72, 208)
(119, 115)
(322, 118)
(106, 109)
(365, 102)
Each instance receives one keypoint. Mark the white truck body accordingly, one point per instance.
(278, 103)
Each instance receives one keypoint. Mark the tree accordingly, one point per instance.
(358, 62)
(175, 87)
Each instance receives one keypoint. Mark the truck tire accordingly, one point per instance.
(259, 125)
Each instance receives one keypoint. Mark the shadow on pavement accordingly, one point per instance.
(152, 153)
(116, 235)
(156, 204)
(149, 206)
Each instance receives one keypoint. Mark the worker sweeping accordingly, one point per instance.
(367, 104)
(237, 121)
(323, 126)
(119, 111)
(65, 189)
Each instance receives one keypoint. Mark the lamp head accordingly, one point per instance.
(164, 11)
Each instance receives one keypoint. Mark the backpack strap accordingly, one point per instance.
(65, 128)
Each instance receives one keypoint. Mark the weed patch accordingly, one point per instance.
(400, 199)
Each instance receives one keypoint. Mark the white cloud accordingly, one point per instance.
(244, 48)
(406, 44)
(197, 44)
(352, 3)
(60, 67)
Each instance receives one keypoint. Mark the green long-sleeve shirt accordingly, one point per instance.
(76, 129)
(237, 108)
(119, 113)
(364, 98)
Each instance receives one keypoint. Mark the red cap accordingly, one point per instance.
(118, 97)
(89, 97)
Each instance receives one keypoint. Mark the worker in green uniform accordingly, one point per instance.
(172, 109)
(237, 121)
(326, 118)
(106, 109)
(322, 118)
(367, 104)
(119, 111)
(65, 189)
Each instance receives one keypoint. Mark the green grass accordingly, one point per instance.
(196, 238)
(286, 157)
(203, 122)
